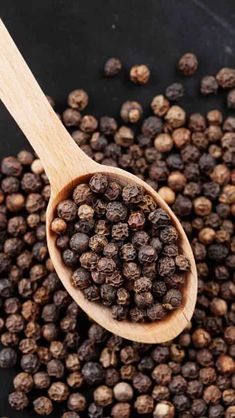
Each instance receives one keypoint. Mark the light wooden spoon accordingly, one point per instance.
(66, 166)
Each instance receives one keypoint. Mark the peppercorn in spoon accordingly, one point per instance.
(67, 166)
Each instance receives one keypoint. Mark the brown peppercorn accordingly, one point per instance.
(123, 392)
(209, 85)
(43, 406)
(112, 67)
(225, 364)
(89, 260)
(55, 368)
(124, 137)
(226, 78)
(58, 226)
(188, 64)
(174, 91)
(147, 254)
(85, 212)
(88, 124)
(18, 400)
(82, 194)
(177, 181)
(229, 334)
(71, 117)
(156, 312)
(67, 210)
(103, 395)
(123, 297)
(175, 117)
(15, 202)
(228, 396)
(136, 221)
(41, 380)
(182, 263)
(44, 355)
(75, 379)
(141, 382)
(139, 74)
(57, 349)
(98, 183)
(230, 412)
(23, 382)
(202, 206)
(25, 157)
(143, 300)
(76, 402)
(131, 111)
(78, 99)
(167, 194)
(162, 374)
(201, 338)
(58, 392)
(121, 410)
(28, 345)
(164, 409)
(144, 404)
(212, 394)
(81, 278)
(143, 284)
(30, 363)
(166, 266)
(11, 166)
(160, 105)
(119, 312)
(163, 142)
(218, 307)
(172, 299)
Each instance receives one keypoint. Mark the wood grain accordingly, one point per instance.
(66, 166)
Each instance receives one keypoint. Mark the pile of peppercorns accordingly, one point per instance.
(68, 363)
(123, 249)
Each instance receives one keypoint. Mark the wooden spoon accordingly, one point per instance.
(66, 166)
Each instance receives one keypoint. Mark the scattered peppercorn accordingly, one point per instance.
(190, 376)
(209, 85)
(140, 74)
(112, 67)
(188, 64)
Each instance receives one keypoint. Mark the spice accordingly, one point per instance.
(209, 85)
(8, 357)
(43, 406)
(226, 78)
(140, 74)
(76, 402)
(112, 67)
(174, 92)
(123, 392)
(18, 400)
(23, 382)
(190, 376)
(78, 99)
(100, 278)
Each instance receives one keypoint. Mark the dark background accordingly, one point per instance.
(66, 42)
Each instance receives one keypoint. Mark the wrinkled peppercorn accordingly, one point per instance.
(112, 67)
(139, 74)
(188, 64)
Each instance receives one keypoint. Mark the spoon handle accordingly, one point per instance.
(19, 91)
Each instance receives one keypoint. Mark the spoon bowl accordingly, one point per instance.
(152, 332)
(67, 166)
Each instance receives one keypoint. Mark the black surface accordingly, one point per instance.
(65, 42)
